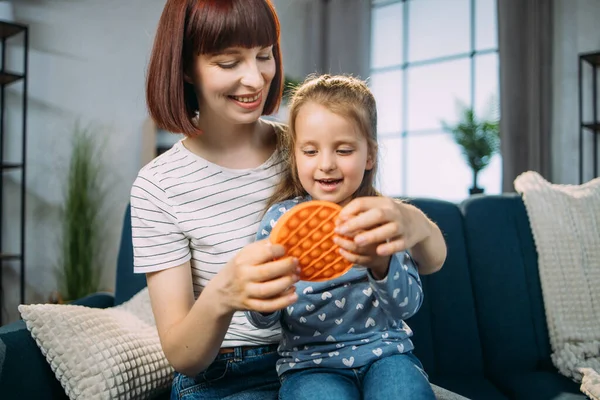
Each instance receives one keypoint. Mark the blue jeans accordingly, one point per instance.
(241, 375)
(397, 377)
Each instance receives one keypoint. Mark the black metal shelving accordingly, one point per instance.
(9, 30)
(589, 63)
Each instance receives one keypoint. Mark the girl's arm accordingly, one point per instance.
(399, 293)
(430, 252)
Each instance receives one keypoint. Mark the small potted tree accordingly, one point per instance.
(479, 140)
(82, 234)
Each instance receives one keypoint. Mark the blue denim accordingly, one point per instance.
(396, 377)
(241, 375)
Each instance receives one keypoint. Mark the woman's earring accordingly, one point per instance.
(195, 121)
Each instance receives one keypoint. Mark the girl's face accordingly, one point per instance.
(331, 154)
(234, 84)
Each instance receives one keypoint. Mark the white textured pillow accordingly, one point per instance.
(565, 223)
(112, 353)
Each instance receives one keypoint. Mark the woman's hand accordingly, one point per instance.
(253, 281)
(381, 226)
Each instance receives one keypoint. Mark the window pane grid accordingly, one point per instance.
(470, 61)
(432, 61)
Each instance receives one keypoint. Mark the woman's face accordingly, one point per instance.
(234, 84)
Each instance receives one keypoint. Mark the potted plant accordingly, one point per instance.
(82, 234)
(289, 85)
(479, 140)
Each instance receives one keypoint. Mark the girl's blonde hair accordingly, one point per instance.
(345, 96)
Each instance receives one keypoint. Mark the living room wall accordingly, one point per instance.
(575, 31)
(87, 61)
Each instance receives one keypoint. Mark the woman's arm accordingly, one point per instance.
(191, 332)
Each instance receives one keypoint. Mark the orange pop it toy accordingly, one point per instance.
(306, 231)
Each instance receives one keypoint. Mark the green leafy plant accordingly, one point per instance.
(479, 139)
(82, 231)
(289, 85)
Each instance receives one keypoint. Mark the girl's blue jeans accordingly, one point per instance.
(251, 375)
(398, 377)
(241, 375)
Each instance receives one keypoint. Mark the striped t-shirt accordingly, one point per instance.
(186, 208)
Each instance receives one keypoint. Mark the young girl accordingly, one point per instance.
(344, 338)
(214, 70)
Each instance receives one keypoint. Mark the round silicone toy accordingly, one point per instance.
(306, 231)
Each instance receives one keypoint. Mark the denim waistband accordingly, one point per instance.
(241, 352)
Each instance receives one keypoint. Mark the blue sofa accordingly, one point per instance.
(481, 331)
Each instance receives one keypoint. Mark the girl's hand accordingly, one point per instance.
(365, 256)
(388, 224)
(253, 281)
(391, 226)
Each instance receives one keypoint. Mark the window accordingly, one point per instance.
(426, 56)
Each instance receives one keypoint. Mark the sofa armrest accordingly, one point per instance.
(24, 370)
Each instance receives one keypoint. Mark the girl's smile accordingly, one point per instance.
(329, 185)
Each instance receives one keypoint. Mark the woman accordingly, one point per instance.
(214, 70)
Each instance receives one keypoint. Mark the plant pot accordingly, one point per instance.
(56, 298)
(475, 190)
(6, 11)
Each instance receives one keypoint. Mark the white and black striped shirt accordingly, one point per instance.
(186, 208)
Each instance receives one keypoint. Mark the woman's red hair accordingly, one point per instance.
(188, 28)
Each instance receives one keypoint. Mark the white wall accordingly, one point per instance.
(87, 61)
(575, 31)
(348, 36)
(292, 17)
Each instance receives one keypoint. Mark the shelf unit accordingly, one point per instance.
(589, 63)
(9, 30)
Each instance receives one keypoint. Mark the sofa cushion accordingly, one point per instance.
(565, 220)
(503, 264)
(470, 387)
(127, 283)
(538, 385)
(590, 383)
(445, 329)
(507, 290)
(101, 353)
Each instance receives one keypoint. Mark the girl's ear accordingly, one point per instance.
(370, 163)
